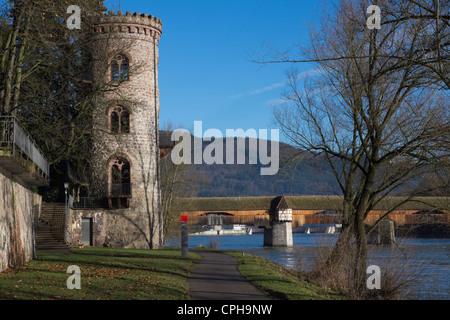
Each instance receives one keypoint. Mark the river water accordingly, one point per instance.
(425, 261)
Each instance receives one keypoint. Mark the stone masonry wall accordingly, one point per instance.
(19, 210)
(110, 228)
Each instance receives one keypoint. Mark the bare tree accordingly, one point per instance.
(372, 110)
(46, 77)
(174, 184)
(427, 48)
(177, 181)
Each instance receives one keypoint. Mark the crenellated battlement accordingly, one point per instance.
(136, 23)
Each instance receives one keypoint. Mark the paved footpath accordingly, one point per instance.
(216, 277)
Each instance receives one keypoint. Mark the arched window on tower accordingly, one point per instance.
(120, 183)
(119, 120)
(120, 177)
(119, 68)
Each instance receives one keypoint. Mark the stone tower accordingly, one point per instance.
(125, 167)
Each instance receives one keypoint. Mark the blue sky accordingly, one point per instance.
(205, 72)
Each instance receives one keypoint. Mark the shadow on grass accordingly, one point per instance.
(130, 259)
(175, 254)
(106, 274)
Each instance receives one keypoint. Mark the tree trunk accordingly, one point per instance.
(10, 62)
(360, 259)
(345, 237)
(344, 241)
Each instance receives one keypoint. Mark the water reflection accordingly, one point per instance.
(428, 260)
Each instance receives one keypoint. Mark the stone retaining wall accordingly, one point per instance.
(19, 212)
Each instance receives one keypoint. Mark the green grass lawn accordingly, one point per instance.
(131, 274)
(279, 282)
(106, 274)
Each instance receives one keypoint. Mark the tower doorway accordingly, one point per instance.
(86, 231)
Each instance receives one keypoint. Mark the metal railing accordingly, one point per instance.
(114, 190)
(89, 202)
(13, 135)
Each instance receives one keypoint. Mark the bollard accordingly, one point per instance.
(184, 236)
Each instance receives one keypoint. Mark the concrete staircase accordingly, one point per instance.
(50, 233)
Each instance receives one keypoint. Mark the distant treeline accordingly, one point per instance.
(310, 176)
